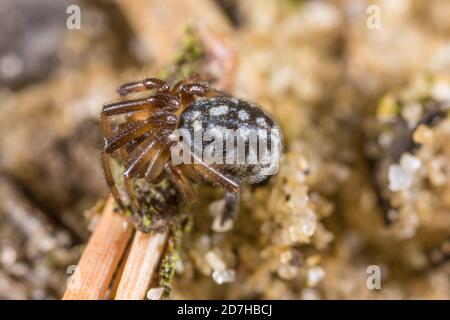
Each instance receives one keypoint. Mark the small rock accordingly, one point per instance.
(155, 293)
(315, 275)
(214, 261)
(223, 276)
(399, 178)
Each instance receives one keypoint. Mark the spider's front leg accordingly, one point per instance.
(106, 164)
(180, 181)
(187, 90)
(231, 188)
(212, 175)
(158, 101)
(128, 183)
(146, 84)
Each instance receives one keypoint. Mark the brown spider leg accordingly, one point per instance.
(107, 168)
(197, 89)
(106, 128)
(231, 188)
(150, 155)
(180, 181)
(109, 177)
(214, 176)
(177, 87)
(123, 150)
(146, 84)
(131, 194)
(128, 183)
(192, 86)
(106, 164)
(165, 101)
(125, 136)
(139, 128)
(156, 164)
(147, 157)
(192, 80)
(141, 156)
(187, 92)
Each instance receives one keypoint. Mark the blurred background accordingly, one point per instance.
(360, 88)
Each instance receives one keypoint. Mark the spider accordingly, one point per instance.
(143, 142)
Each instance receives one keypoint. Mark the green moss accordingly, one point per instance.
(189, 58)
(146, 221)
(167, 271)
(191, 50)
(294, 3)
(169, 262)
(172, 254)
(388, 107)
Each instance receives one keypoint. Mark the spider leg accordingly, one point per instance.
(189, 87)
(156, 164)
(146, 152)
(123, 150)
(106, 164)
(197, 89)
(177, 87)
(128, 182)
(194, 86)
(146, 84)
(188, 91)
(166, 101)
(106, 128)
(158, 101)
(109, 177)
(150, 155)
(141, 156)
(160, 120)
(129, 134)
(180, 181)
(214, 176)
(129, 179)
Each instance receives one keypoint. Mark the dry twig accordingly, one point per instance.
(101, 256)
(142, 261)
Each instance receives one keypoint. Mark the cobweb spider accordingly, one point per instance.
(142, 142)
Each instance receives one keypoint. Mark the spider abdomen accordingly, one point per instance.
(237, 137)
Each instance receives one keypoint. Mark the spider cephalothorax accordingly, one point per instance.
(144, 141)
